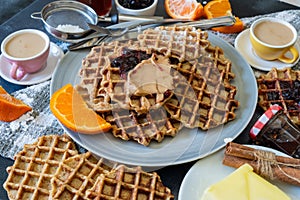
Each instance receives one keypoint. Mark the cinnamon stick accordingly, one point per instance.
(235, 149)
(284, 168)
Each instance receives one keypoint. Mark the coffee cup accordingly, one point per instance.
(273, 38)
(26, 50)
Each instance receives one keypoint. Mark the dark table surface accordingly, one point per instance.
(171, 176)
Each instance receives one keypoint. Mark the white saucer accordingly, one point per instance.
(244, 47)
(44, 74)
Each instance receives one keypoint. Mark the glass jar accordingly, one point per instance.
(280, 133)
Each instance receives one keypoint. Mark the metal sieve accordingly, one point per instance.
(66, 14)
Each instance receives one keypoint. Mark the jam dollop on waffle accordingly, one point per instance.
(282, 87)
(172, 71)
(128, 60)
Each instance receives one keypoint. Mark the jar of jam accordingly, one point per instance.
(275, 130)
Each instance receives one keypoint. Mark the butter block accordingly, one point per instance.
(244, 184)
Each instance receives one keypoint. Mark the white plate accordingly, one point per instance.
(210, 170)
(44, 74)
(188, 144)
(244, 47)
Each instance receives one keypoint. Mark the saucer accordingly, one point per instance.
(44, 74)
(244, 47)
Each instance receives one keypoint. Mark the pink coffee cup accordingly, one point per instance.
(26, 50)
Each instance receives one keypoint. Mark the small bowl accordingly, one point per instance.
(149, 11)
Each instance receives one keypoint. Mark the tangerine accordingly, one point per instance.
(184, 9)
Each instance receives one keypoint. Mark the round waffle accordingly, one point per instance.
(142, 127)
(129, 183)
(203, 96)
(76, 175)
(34, 167)
(136, 79)
(184, 42)
(282, 87)
(90, 85)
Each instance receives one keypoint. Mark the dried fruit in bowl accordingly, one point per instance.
(184, 9)
(71, 110)
(10, 107)
(219, 8)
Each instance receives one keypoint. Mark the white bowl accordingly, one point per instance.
(145, 11)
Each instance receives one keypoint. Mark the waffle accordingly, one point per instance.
(281, 87)
(203, 96)
(185, 43)
(154, 125)
(34, 166)
(91, 77)
(133, 90)
(76, 175)
(129, 183)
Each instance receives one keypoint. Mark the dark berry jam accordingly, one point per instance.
(136, 4)
(281, 134)
(167, 93)
(128, 60)
(173, 60)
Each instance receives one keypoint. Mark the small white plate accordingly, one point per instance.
(44, 74)
(244, 47)
(210, 170)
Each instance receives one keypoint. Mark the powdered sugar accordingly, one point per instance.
(69, 28)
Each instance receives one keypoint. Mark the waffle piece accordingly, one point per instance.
(91, 77)
(281, 87)
(34, 166)
(203, 96)
(129, 183)
(128, 124)
(76, 175)
(138, 80)
(185, 42)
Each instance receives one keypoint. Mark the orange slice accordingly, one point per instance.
(219, 8)
(71, 110)
(10, 107)
(184, 9)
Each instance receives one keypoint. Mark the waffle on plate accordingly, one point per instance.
(174, 69)
(282, 87)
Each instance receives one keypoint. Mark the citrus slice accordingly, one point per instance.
(184, 9)
(10, 107)
(71, 110)
(219, 8)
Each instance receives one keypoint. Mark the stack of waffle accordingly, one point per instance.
(282, 87)
(169, 78)
(52, 169)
